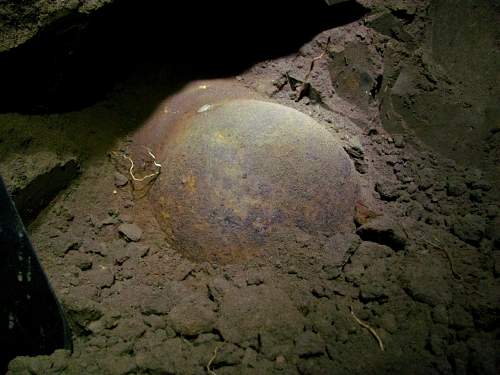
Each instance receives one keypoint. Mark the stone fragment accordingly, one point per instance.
(120, 180)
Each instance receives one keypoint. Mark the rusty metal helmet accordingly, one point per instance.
(241, 175)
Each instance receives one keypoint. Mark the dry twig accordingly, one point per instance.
(365, 325)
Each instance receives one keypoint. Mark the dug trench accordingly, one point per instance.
(409, 286)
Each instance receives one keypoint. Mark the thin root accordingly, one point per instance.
(209, 370)
(313, 61)
(140, 179)
(448, 255)
(365, 325)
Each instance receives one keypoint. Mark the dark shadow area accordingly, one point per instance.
(77, 61)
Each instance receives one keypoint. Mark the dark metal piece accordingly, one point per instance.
(32, 320)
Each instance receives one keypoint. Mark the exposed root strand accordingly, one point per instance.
(448, 255)
(131, 169)
(209, 364)
(365, 325)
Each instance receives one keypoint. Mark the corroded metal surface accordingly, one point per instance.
(172, 113)
(241, 175)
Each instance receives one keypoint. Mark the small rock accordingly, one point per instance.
(120, 180)
(131, 232)
(309, 344)
(469, 228)
(384, 231)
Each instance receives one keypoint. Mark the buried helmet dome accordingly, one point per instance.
(241, 175)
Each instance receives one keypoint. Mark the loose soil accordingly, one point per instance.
(422, 269)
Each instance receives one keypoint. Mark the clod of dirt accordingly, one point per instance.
(192, 317)
(240, 175)
(132, 232)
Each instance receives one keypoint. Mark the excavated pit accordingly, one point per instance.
(240, 175)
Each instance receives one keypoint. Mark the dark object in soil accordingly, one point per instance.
(241, 175)
(33, 322)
